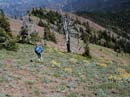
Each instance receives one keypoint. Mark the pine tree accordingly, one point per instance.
(4, 24)
(48, 35)
(23, 35)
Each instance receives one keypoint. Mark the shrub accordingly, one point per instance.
(6, 37)
(23, 35)
(30, 19)
(41, 24)
(6, 41)
(4, 24)
(51, 16)
(87, 52)
(3, 35)
(54, 17)
(11, 45)
(34, 37)
(72, 95)
(49, 36)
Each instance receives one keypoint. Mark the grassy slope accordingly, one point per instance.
(61, 75)
(100, 53)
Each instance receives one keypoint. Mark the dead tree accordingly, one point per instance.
(66, 32)
(78, 39)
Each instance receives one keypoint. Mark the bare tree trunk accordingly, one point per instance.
(78, 41)
(67, 33)
(68, 45)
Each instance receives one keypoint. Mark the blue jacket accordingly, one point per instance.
(38, 49)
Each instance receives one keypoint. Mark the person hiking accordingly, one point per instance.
(39, 50)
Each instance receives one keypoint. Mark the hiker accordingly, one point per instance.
(39, 50)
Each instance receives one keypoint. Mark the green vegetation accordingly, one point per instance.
(4, 23)
(87, 52)
(48, 35)
(51, 16)
(85, 35)
(3, 35)
(34, 37)
(41, 24)
(7, 40)
(23, 35)
(116, 21)
(11, 45)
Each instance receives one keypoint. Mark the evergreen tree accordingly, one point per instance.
(34, 36)
(48, 35)
(3, 35)
(23, 35)
(4, 24)
(87, 51)
(41, 24)
(6, 37)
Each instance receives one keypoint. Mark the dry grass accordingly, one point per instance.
(59, 75)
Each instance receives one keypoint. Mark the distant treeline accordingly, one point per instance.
(117, 22)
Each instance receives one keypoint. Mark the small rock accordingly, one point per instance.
(31, 60)
(114, 91)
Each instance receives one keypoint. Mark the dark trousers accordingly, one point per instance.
(39, 55)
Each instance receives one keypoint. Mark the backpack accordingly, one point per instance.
(38, 49)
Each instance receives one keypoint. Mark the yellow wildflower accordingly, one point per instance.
(57, 64)
(103, 65)
(86, 62)
(121, 74)
(83, 77)
(125, 75)
(60, 53)
(110, 77)
(73, 60)
(69, 70)
(120, 71)
(105, 61)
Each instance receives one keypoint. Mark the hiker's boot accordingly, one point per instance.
(39, 59)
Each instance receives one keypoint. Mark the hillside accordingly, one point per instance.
(93, 32)
(104, 72)
(77, 23)
(86, 48)
(118, 22)
(62, 74)
(96, 51)
(115, 21)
